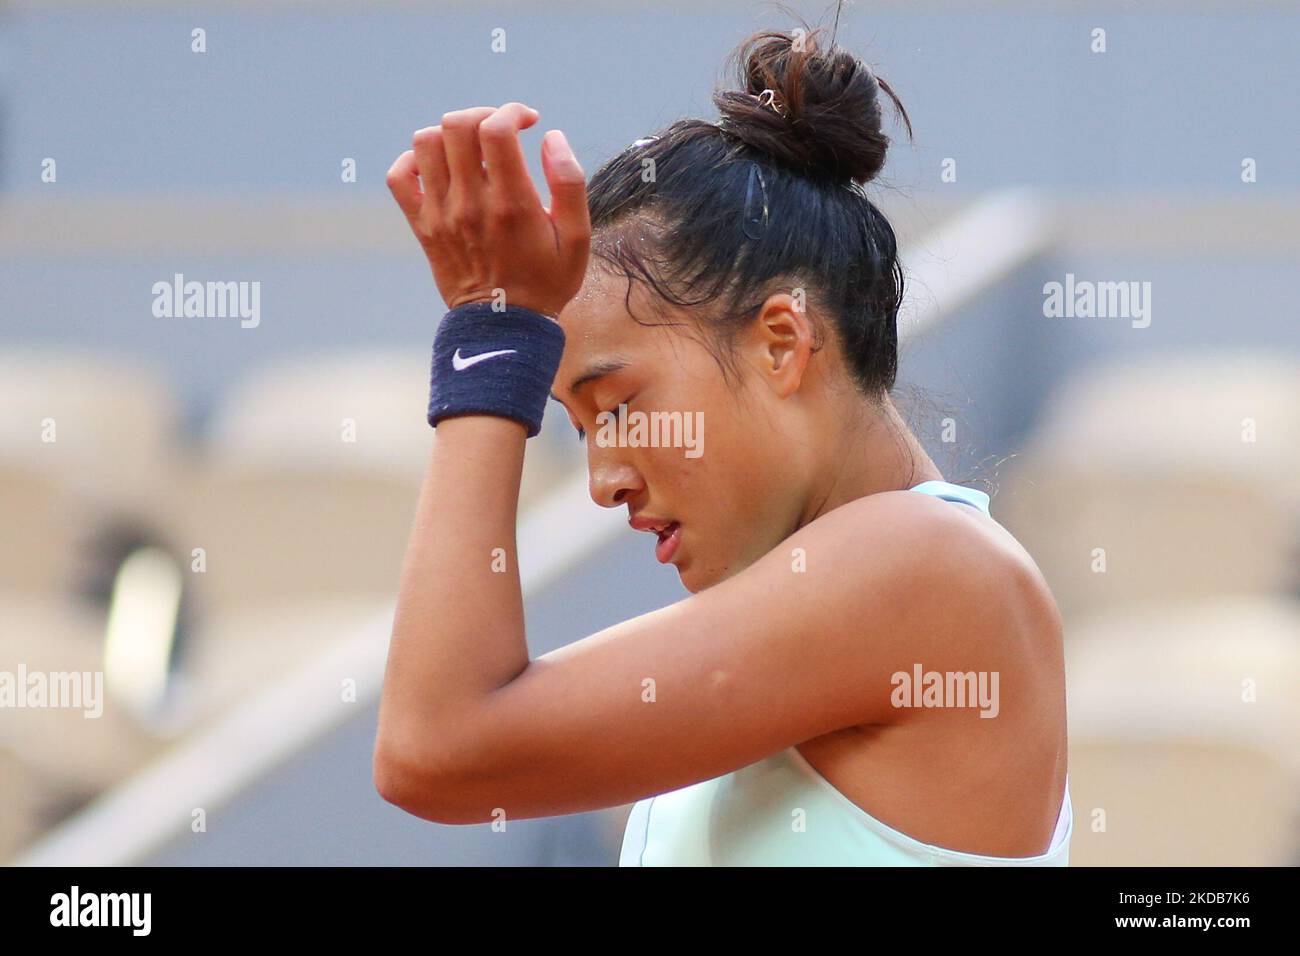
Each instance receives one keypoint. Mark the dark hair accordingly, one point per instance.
(768, 198)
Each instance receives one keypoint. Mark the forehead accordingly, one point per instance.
(600, 309)
(598, 325)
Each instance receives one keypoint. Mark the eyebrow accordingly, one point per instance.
(599, 370)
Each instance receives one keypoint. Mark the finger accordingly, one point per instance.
(431, 158)
(568, 192)
(404, 185)
(509, 184)
(464, 157)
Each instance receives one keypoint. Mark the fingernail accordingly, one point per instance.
(560, 148)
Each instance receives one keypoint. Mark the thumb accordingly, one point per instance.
(568, 184)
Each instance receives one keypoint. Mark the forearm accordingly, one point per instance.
(458, 632)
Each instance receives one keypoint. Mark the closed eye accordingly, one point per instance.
(582, 433)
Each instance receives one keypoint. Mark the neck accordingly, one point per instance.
(873, 451)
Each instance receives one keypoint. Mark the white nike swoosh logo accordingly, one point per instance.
(460, 364)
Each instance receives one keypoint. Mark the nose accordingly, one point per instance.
(612, 482)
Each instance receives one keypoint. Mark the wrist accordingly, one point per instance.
(499, 296)
(494, 361)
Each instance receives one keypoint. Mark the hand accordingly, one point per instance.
(478, 217)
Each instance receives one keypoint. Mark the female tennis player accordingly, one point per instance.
(868, 669)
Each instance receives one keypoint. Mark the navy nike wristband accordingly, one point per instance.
(488, 362)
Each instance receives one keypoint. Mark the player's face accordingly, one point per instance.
(691, 455)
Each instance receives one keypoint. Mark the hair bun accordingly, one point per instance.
(822, 117)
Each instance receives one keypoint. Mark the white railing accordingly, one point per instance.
(969, 254)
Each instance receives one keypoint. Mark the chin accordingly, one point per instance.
(691, 579)
(696, 579)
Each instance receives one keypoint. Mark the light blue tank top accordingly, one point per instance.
(780, 811)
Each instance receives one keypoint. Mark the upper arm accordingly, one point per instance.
(766, 659)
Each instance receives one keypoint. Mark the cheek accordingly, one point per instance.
(681, 483)
(744, 498)
(733, 488)
(739, 462)
(715, 499)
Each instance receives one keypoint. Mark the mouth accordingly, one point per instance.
(668, 532)
(669, 540)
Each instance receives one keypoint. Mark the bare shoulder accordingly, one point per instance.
(959, 565)
(921, 529)
(965, 603)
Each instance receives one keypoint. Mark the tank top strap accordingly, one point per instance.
(950, 492)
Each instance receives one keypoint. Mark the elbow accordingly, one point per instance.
(408, 783)
(395, 780)
(424, 783)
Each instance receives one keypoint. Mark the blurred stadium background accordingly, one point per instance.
(218, 523)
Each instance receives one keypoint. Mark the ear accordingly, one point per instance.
(779, 343)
